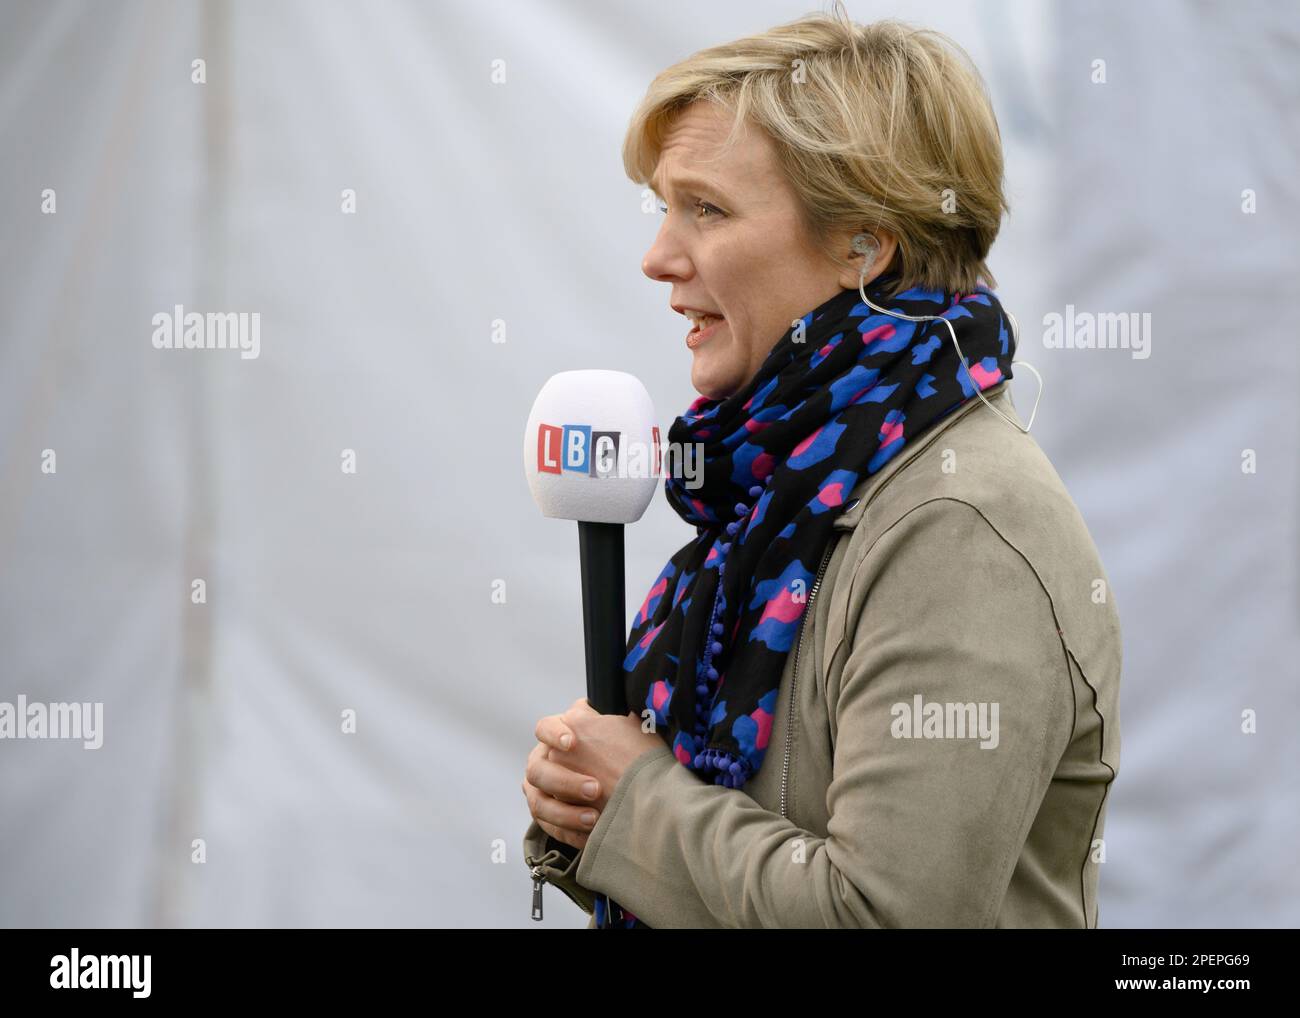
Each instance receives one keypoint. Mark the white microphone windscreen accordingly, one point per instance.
(592, 447)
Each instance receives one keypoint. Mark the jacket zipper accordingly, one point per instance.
(537, 869)
(794, 675)
(539, 878)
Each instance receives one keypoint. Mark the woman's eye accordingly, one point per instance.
(703, 206)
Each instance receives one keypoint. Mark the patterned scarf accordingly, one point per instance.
(833, 402)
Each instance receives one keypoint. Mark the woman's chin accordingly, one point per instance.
(708, 381)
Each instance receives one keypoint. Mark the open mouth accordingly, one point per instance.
(704, 327)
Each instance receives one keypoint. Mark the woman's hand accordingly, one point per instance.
(574, 749)
(556, 800)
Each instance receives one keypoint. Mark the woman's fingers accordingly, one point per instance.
(561, 800)
(552, 731)
(547, 809)
(556, 780)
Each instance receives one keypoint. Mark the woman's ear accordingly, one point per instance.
(886, 246)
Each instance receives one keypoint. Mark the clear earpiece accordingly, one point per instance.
(867, 246)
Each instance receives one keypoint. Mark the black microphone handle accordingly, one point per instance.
(600, 546)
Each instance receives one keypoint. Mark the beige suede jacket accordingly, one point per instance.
(946, 730)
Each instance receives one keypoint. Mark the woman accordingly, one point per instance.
(889, 588)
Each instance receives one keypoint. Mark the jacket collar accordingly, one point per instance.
(861, 495)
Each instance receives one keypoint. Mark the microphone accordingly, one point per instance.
(591, 454)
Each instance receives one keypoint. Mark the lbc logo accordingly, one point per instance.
(580, 449)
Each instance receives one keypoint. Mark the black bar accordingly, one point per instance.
(337, 967)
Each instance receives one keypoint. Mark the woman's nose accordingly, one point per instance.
(665, 261)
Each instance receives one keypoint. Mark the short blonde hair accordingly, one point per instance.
(880, 126)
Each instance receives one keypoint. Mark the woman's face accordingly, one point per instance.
(733, 244)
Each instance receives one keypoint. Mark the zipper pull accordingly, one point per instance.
(538, 880)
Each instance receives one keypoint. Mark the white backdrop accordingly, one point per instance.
(482, 202)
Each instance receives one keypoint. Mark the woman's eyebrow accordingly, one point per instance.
(688, 180)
